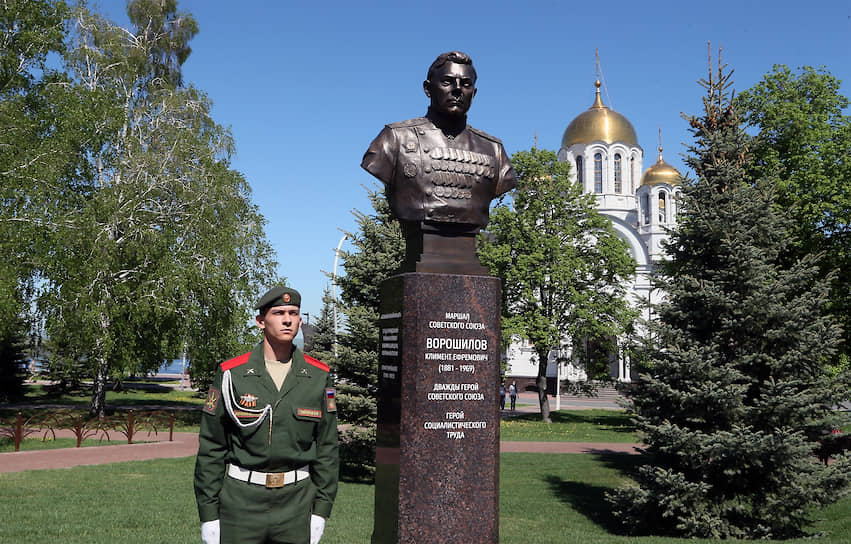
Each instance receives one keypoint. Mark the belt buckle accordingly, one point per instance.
(274, 479)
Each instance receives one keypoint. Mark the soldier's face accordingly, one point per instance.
(280, 323)
(451, 89)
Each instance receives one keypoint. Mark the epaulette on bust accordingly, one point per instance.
(484, 134)
(235, 362)
(317, 363)
(409, 123)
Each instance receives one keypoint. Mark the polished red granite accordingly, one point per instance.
(437, 477)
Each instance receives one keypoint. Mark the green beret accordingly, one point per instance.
(279, 296)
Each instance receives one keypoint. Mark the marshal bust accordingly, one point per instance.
(440, 174)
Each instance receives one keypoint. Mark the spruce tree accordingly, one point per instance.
(321, 344)
(379, 250)
(13, 370)
(735, 388)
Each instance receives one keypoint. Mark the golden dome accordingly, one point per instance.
(661, 172)
(599, 123)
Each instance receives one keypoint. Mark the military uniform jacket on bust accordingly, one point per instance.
(299, 428)
(431, 176)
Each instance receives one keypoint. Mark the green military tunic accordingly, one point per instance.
(297, 427)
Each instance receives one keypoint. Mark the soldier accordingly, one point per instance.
(441, 174)
(267, 463)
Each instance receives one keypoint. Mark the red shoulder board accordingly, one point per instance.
(317, 363)
(235, 362)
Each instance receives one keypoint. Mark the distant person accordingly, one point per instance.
(512, 392)
(268, 461)
(502, 396)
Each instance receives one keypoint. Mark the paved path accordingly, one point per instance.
(186, 444)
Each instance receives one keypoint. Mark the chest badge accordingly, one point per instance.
(248, 400)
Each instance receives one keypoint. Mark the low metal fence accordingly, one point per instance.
(46, 423)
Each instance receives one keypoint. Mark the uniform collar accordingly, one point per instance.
(256, 366)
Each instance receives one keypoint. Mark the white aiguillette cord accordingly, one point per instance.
(227, 393)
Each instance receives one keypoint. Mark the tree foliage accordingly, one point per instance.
(324, 338)
(13, 369)
(563, 267)
(30, 30)
(735, 392)
(142, 240)
(379, 249)
(804, 141)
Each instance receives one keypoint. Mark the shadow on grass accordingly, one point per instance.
(589, 499)
(625, 464)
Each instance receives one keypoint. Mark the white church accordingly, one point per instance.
(602, 148)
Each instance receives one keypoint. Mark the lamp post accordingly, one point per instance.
(558, 383)
(334, 287)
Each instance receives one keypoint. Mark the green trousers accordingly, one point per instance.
(253, 514)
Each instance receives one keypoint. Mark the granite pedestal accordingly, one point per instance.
(437, 455)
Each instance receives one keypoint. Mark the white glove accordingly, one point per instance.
(317, 527)
(210, 532)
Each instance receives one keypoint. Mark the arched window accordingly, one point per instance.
(598, 173)
(618, 174)
(645, 204)
(662, 207)
(580, 172)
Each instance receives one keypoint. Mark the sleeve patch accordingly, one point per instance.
(212, 402)
(331, 400)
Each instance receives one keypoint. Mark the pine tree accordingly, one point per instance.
(13, 370)
(735, 389)
(322, 341)
(379, 250)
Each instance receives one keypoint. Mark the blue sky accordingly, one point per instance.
(305, 86)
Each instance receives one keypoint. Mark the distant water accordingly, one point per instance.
(174, 366)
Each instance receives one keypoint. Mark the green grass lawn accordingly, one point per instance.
(186, 405)
(570, 426)
(544, 499)
(32, 444)
(184, 420)
(132, 394)
(567, 425)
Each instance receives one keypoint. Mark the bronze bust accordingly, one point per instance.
(440, 174)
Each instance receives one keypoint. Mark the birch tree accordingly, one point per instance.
(162, 249)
